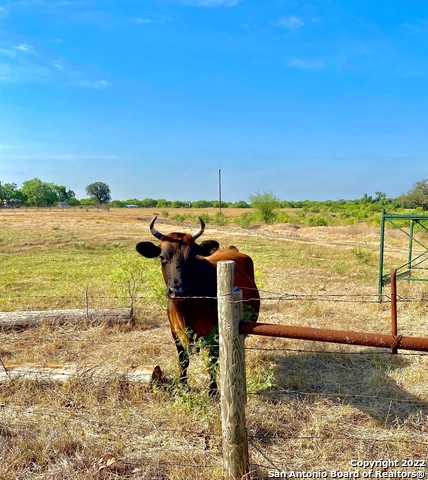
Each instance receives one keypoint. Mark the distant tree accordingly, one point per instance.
(148, 202)
(367, 198)
(87, 201)
(99, 191)
(10, 194)
(241, 204)
(179, 204)
(38, 193)
(162, 203)
(63, 195)
(266, 204)
(120, 203)
(35, 192)
(380, 196)
(216, 204)
(202, 204)
(417, 196)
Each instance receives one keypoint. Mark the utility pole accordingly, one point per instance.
(219, 188)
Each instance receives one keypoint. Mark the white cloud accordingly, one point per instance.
(142, 21)
(11, 73)
(14, 51)
(97, 84)
(8, 52)
(24, 48)
(58, 65)
(290, 23)
(158, 19)
(317, 64)
(416, 27)
(21, 63)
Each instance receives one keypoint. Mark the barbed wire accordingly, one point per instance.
(13, 337)
(280, 393)
(15, 334)
(258, 450)
(348, 438)
(318, 438)
(157, 427)
(266, 295)
(333, 352)
(162, 463)
(91, 372)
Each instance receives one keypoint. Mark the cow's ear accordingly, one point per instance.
(208, 248)
(148, 249)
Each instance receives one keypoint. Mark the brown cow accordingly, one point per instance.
(189, 271)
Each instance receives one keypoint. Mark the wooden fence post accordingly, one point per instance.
(232, 373)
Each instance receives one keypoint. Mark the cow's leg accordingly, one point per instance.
(179, 334)
(213, 354)
(183, 359)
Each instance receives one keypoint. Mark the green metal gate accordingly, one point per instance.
(415, 264)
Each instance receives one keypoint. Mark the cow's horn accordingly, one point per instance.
(155, 233)
(200, 231)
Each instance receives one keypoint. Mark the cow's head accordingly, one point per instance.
(178, 253)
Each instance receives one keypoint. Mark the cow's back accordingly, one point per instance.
(244, 276)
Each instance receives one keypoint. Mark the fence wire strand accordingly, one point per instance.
(265, 295)
(259, 451)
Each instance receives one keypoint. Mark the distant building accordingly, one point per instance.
(9, 203)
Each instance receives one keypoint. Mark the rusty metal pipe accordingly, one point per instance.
(335, 336)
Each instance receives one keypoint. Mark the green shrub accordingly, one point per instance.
(178, 218)
(205, 217)
(220, 219)
(244, 220)
(318, 221)
(283, 218)
(266, 205)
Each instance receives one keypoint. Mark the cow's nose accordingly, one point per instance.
(176, 291)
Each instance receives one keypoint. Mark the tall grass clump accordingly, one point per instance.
(220, 219)
(363, 255)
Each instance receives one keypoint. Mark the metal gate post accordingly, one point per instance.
(394, 327)
(412, 226)
(382, 247)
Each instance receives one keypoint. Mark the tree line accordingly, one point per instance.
(37, 193)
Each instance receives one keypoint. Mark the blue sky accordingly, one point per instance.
(312, 99)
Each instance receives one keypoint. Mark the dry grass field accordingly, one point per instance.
(311, 406)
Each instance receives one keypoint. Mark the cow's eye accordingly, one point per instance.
(164, 261)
